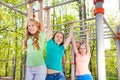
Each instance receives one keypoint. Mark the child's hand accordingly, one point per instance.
(86, 30)
(40, 1)
(71, 22)
(29, 2)
(47, 8)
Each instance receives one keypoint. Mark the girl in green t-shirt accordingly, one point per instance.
(33, 45)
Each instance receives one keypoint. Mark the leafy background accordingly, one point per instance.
(12, 33)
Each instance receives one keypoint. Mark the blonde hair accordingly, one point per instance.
(36, 37)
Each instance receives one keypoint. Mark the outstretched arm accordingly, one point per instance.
(69, 36)
(30, 13)
(63, 63)
(74, 45)
(49, 31)
(41, 15)
(87, 40)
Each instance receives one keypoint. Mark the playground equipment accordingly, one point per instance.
(99, 11)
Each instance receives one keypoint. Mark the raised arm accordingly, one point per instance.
(87, 40)
(30, 13)
(69, 36)
(74, 45)
(49, 31)
(41, 15)
(63, 63)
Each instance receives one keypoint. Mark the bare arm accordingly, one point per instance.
(41, 15)
(69, 36)
(63, 62)
(30, 13)
(74, 45)
(87, 41)
(49, 31)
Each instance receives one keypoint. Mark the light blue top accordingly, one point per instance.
(54, 55)
(35, 56)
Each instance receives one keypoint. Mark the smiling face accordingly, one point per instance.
(82, 49)
(58, 38)
(32, 28)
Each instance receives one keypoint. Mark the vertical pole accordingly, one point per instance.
(118, 51)
(119, 5)
(72, 64)
(99, 11)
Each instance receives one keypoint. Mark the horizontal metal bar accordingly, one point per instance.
(93, 33)
(23, 4)
(56, 5)
(105, 32)
(74, 21)
(63, 3)
(4, 4)
(84, 26)
(92, 38)
(19, 5)
(109, 26)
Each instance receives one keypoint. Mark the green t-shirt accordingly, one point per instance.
(35, 56)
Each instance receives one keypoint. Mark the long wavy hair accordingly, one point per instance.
(55, 35)
(36, 37)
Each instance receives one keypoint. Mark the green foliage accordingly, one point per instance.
(13, 2)
(12, 32)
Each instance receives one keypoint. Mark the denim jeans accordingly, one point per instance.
(85, 77)
(36, 73)
(55, 76)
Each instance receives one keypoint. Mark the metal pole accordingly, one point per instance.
(2, 3)
(100, 39)
(72, 64)
(14, 7)
(75, 21)
(23, 3)
(109, 26)
(119, 4)
(69, 1)
(118, 51)
(19, 5)
(63, 3)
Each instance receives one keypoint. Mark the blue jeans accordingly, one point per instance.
(55, 76)
(36, 73)
(85, 77)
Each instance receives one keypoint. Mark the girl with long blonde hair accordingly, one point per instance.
(34, 45)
